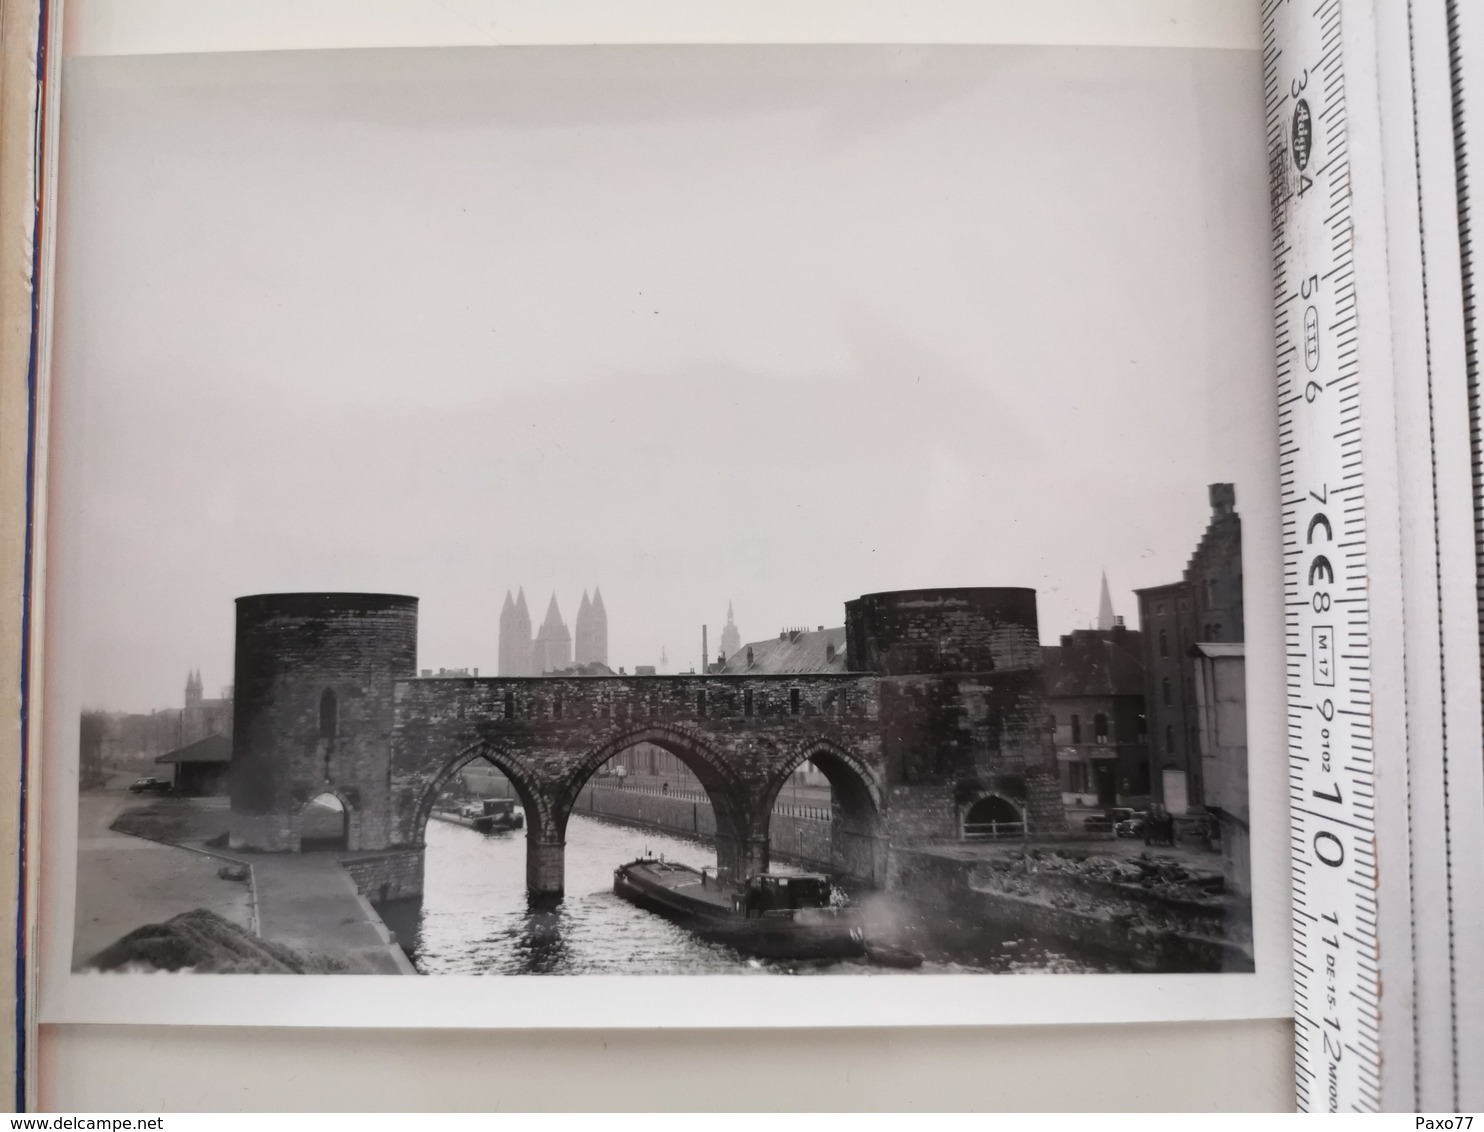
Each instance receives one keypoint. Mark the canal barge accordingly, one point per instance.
(492, 815)
(773, 916)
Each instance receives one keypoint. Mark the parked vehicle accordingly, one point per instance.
(1109, 820)
(1131, 827)
(149, 786)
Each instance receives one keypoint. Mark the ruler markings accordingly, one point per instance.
(1326, 611)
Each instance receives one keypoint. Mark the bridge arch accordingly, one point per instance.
(741, 845)
(857, 803)
(533, 799)
(846, 772)
(991, 816)
(315, 838)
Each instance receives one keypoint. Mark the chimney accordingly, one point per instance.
(705, 652)
(476, 671)
(1223, 498)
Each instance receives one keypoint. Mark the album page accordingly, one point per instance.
(695, 536)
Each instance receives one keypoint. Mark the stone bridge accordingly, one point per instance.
(941, 709)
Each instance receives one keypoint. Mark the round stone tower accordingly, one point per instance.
(924, 632)
(962, 706)
(313, 712)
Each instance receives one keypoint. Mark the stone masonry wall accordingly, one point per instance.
(915, 632)
(395, 875)
(948, 741)
(549, 735)
(805, 841)
(292, 651)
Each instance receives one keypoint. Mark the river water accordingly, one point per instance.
(475, 918)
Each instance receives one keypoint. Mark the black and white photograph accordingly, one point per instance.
(716, 511)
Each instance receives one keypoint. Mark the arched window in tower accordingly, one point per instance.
(1164, 642)
(1165, 693)
(1169, 739)
(329, 714)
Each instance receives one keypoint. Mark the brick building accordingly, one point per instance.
(1221, 708)
(200, 769)
(1204, 606)
(1095, 696)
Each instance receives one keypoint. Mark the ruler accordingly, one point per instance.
(1322, 394)
(1365, 104)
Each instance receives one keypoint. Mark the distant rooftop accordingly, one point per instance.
(1094, 662)
(793, 650)
(1216, 649)
(212, 749)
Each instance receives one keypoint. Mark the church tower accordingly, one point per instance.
(193, 689)
(515, 642)
(553, 648)
(731, 636)
(592, 630)
(520, 638)
(583, 638)
(1105, 606)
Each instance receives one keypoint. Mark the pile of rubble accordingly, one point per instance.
(202, 941)
(1163, 876)
(1141, 895)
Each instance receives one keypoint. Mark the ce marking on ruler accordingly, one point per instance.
(1324, 558)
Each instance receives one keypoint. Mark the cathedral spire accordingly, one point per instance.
(731, 636)
(509, 664)
(1105, 606)
(553, 615)
(552, 650)
(592, 630)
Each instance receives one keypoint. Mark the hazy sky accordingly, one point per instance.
(779, 326)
